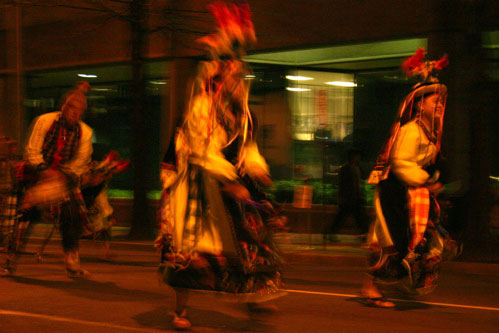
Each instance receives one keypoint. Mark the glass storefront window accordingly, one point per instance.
(313, 105)
(321, 105)
(490, 44)
(306, 126)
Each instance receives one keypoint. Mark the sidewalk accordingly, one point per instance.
(290, 244)
(294, 246)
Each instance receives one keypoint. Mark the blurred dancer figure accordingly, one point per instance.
(94, 185)
(9, 198)
(59, 150)
(215, 227)
(407, 240)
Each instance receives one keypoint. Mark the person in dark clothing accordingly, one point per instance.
(350, 196)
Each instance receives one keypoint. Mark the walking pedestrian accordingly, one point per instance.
(350, 196)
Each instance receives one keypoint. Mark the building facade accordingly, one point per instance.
(350, 51)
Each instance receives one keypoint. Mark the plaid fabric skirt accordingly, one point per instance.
(8, 211)
(399, 209)
(14, 226)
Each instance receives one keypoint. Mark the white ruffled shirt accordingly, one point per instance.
(205, 149)
(411, 152)
(41, 125)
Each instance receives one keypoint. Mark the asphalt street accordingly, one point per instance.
(322, 284)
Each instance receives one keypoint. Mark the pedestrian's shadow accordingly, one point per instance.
(202, 319)
(91, 289)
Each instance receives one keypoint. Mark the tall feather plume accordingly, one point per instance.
(224, 73)
(235, 30)
(416, 65)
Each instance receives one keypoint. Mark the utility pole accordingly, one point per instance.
(11, 118)
(141, 223)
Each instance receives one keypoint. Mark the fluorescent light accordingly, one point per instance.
(304, 136)
(298, 78)
(157, 82)
(249, 76)
(342, 83)
(297, 89)
(87, 75)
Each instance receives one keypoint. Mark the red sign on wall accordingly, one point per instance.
(322, 107)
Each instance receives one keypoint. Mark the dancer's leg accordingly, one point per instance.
(373, 295)
(180, 322)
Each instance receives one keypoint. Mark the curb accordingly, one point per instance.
(292, 246)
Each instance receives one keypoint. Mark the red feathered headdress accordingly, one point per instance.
(416, 65)
(235, 30)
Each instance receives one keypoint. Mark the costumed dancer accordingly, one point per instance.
(9, 198)
(215, 231)
(407, 241)
(94, 185)
(58, 151)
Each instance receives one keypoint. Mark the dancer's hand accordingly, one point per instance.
(159, 242)
(93, 179)
(262, 176)
(435, 188)
(237, 190)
